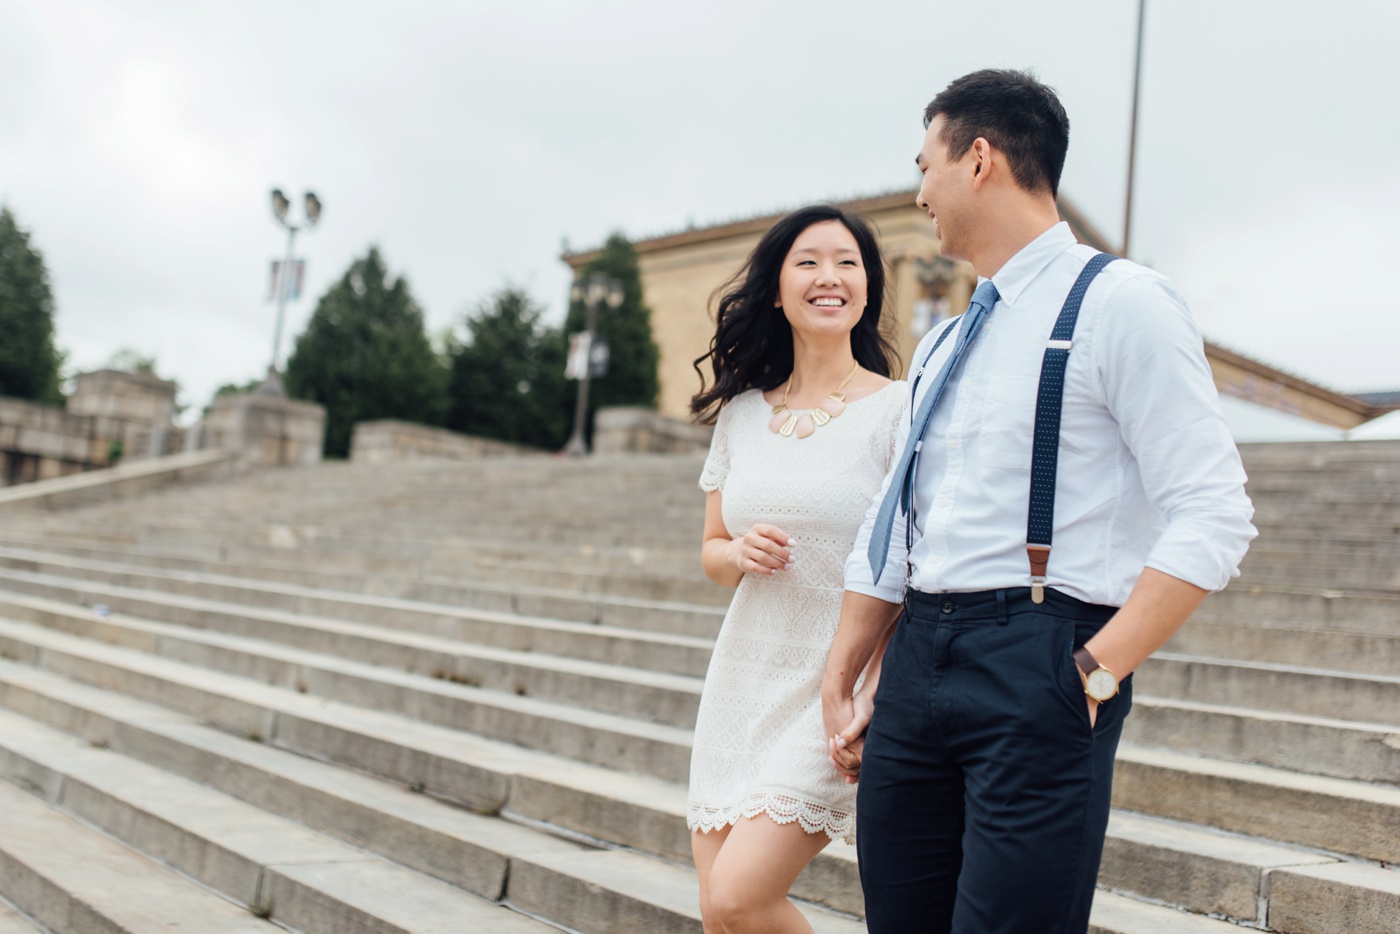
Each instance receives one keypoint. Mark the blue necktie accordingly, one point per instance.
(901, 490)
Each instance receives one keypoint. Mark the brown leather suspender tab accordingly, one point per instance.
(1039, 556)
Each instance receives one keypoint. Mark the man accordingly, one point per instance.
(1062, 504)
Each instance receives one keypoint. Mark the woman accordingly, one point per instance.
(805, 415)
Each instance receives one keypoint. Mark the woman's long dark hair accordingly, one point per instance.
(752, 346)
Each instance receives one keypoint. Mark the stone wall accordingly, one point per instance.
(628, 430)
(387, 441)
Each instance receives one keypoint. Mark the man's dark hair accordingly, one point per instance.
(1016, 114)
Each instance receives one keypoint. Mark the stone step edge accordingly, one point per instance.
(528, 796)
(383, 636)
(1334, 788)
(52, 614)
(387, 603)
(531, 853)
(1336, 815)
(68, 877)
(265, 708)
(1274, 668)
(192, 574)
(238, 850)
(678, 655)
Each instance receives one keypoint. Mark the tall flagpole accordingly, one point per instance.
(1132, 133)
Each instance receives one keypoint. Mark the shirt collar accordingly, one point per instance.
(1011, 279)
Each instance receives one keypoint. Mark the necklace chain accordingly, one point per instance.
(787, 422)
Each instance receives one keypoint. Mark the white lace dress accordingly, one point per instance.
(760, 745)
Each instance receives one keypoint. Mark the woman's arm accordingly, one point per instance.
(764, 549)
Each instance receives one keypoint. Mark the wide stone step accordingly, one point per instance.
(1367, 752)
(70, 877)
(685, 655)
(1289, 606)
(585, 736)
(223, 580)
(1355, 818)
(584, 571)
(1330, 650)
(302, 650)
(1266, 686)
(1166, 862)
(273, 867)
(586, 888)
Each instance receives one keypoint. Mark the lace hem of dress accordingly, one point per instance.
(782, 808)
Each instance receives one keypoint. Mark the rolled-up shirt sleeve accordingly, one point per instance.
(1158, 386)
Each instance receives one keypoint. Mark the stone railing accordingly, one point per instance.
(629, 430)
(387, 441)
(109, 483)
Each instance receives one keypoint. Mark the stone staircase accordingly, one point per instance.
(458, 697)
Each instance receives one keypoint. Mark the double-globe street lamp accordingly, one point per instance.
(594, 292)
(281, 206)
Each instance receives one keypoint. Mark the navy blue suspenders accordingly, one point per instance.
(1045, 449)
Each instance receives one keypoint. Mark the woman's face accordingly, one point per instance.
(821, 288)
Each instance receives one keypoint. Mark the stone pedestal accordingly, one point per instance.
(388, 441)
(631, 430)
(264, 430)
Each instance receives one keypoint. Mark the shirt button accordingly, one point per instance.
(947, 606)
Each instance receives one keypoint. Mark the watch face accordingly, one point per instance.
(1101, 684)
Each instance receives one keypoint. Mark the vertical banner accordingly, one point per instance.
(292, 283)
(579, 357)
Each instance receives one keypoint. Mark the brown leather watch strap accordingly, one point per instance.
(1085, 661)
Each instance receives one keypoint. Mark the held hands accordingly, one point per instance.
(763, 549)
(846, 745)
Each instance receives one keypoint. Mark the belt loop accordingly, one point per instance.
(1002, 617)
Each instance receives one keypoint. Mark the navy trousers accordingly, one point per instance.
(984, 792)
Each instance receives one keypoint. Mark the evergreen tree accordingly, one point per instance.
(506, 379)
(29, 362)
(365, 355)
(633, 354)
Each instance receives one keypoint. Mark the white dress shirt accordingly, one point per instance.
(1148, 473)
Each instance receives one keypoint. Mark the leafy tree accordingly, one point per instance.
(634, 357)
(132, 361)
(29, 361)
(507, 378)
(233, 389)
(365, 355)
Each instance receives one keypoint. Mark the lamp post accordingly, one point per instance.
(594, 291)
(1132, 131)
(311, 209)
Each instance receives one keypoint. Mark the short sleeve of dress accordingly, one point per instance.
(716, 469)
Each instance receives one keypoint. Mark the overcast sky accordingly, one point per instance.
(139, 140)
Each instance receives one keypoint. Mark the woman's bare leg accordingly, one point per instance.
(705, 847)
(745, 887)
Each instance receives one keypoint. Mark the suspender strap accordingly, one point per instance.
(908, 492)
(1045, 450)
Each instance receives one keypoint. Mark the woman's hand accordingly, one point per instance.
(846, 746)
(763, 549)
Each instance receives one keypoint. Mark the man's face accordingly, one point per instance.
(945, 191)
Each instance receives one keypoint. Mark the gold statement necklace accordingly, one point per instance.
(788, 423)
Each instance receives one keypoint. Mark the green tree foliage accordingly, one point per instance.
(132, 361)
(632, 369)
(365, 355)
(507, 378)
(29, 361)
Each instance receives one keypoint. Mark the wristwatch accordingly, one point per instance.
(1099, 682)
